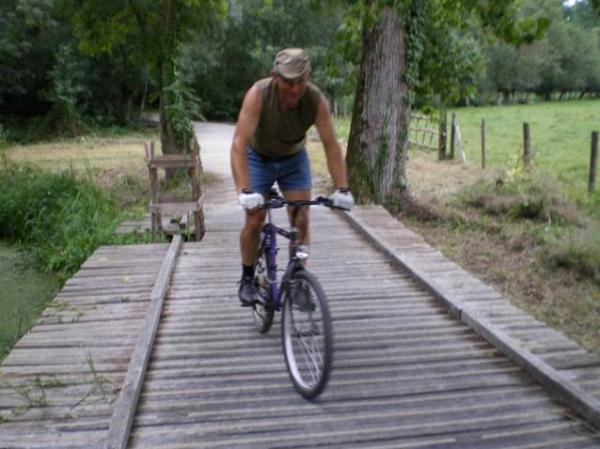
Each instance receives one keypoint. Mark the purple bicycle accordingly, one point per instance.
(306, 329)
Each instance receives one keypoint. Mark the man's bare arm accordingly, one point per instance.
(244, 130)
(333, 152)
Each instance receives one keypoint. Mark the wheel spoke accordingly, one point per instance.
(312, 357)
(313, 370)
(307, 335)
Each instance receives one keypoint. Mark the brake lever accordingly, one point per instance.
(327, 202)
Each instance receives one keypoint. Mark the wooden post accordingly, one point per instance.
(452, 136)
(482, 143)
(593, 162)
(526, 146)
(442, 135)
(119, 427)
(155, 217)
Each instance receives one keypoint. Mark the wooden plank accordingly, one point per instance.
(122, 418)
(349, 432)
(213, 378)
(555, 382)
(405, 373)
(171, 161)
(176, 208)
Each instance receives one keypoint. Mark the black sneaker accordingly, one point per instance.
(247, 291)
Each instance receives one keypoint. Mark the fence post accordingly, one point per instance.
(442, 135)
(482, 143)
(526, 145)
(452, 136)
(593, 162)
(155, 218)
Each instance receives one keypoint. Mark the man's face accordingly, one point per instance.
(290, 90)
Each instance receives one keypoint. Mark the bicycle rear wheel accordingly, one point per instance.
(263, 309)
(307, 335)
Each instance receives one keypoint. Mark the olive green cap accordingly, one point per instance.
(292, 63)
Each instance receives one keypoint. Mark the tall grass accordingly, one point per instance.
(61, 218)
(538, 210)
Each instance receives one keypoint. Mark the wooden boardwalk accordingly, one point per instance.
(59, 382)
(407, 374)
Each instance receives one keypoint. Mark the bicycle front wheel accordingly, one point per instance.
(307, 335)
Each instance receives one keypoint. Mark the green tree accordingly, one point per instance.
(572, 62)
(222, 60)
(451, 64)
(584, 13)
(148, 33)
(393, 37)
(68, 86)
(513, 70)
(40, 65)
(29, 37)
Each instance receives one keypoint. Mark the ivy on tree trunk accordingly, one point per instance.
(377, 145)
(168, 138)
(177, 134)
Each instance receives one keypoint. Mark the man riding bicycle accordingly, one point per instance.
(269, 145)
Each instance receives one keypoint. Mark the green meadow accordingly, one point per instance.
(560, 141)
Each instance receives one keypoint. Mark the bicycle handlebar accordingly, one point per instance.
(277, 202)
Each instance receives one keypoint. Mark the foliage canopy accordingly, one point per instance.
(80, 63)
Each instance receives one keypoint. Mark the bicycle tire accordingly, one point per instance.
(263, 310)
(307, 335)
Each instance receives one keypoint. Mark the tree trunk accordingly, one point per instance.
(377, 145)
(168, 139)
(170, 142)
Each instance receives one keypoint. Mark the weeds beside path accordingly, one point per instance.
(544, 264)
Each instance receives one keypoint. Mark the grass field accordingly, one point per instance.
(84, 153)
(560, 141)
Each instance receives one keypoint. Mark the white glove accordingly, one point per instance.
(250, 200)
(342, 198)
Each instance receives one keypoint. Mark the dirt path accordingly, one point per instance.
(215, 142)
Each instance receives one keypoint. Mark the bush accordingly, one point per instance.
(576, 251)
(530, 211)
(521, 197)
(61, 218)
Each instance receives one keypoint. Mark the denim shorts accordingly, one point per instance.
(290, 172)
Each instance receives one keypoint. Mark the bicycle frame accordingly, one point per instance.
(270, 232)
(306, 322)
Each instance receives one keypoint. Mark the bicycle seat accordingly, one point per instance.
(274, 194)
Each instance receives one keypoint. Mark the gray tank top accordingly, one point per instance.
(282, 132)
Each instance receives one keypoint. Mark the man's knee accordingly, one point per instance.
(302, 218)
(254, 221)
